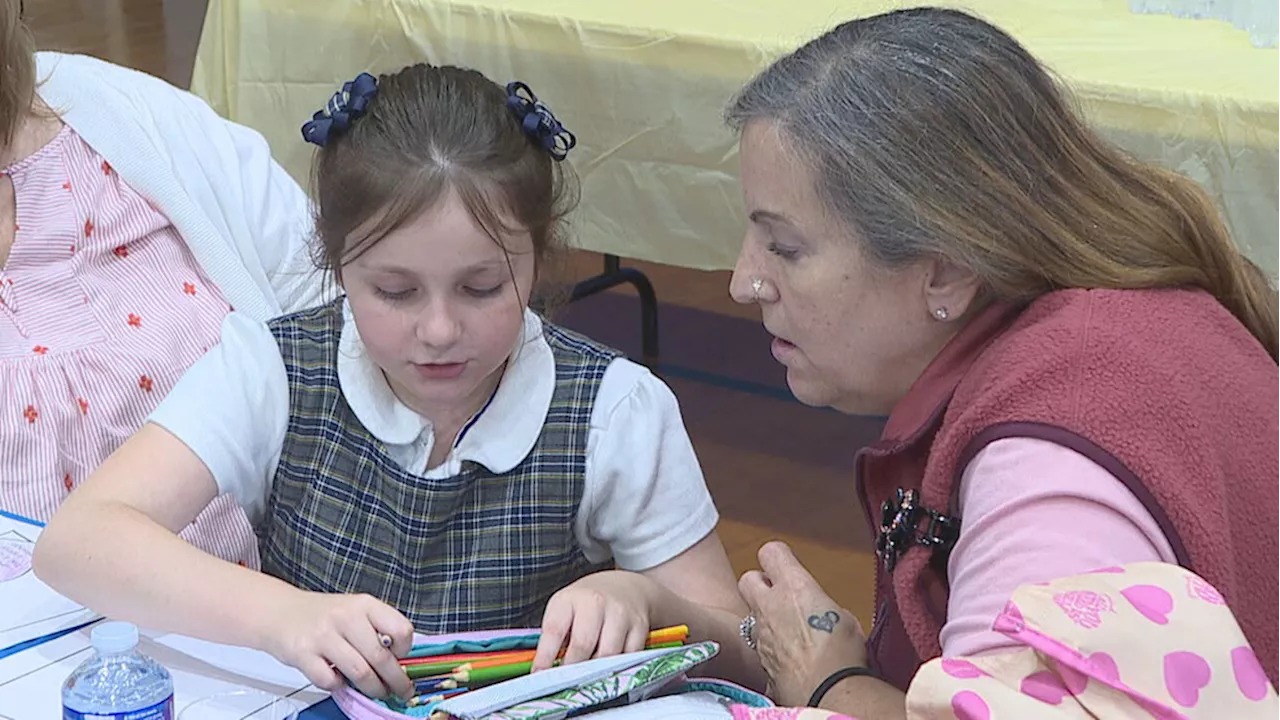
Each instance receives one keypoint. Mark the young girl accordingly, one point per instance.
(424, 453)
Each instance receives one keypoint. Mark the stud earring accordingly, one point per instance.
(941, 313)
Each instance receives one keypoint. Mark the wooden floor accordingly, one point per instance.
(160, 37)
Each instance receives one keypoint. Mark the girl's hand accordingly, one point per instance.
(801, 635)
(602, 614)
(336, 639)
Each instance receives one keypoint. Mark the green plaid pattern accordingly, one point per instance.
(471, 552)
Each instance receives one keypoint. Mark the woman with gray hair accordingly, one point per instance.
(1077, 364)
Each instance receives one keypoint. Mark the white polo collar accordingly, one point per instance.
(499, 437)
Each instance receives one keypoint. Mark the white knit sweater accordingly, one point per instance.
(245, 219)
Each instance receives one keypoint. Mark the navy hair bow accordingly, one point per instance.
(537, 121)
(342, 109)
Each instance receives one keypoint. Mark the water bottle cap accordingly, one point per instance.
(114, 637)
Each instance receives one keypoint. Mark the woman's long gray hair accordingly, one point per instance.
(933, 133)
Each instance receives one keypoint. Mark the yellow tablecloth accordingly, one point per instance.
(643, 85)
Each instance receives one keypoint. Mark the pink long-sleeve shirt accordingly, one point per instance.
(1034, 511)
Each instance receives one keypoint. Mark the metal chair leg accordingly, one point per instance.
(615, 274)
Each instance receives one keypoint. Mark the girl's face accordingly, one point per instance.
(440, 307)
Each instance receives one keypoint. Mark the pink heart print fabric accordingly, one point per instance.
(1147, 640)
(1144, 640)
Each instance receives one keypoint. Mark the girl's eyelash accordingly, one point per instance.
(484, 292)
(405, 294)
(393, 296)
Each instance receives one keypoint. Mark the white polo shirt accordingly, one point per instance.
(644, 498)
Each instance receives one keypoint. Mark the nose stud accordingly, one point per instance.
(756, 286)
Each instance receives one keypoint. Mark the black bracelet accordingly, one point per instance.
(836, 677)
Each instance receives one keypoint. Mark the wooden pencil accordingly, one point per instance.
(427, 671)
(430, 684)
(459, 657)
(452, 670)
(664, 635)
(425, 699)
(475, 675)
(432, 665)
(660, 635)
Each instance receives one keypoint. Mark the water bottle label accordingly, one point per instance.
(162, 710)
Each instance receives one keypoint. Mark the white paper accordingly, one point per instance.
(236, 660)
(31, 681)
(28, 608)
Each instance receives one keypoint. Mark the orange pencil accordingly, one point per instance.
(460, 657)
(670, 634)
(528, 656)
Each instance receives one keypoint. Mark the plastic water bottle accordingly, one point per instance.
(118, 682)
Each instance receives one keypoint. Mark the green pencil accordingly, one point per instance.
(423, 670)
(463, 672)
(489, 675)
(473, 677)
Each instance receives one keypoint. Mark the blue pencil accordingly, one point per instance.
(436, 683)
(428, 702)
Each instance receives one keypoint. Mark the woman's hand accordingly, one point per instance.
(802, 636)
(334, 639)
(605, 613)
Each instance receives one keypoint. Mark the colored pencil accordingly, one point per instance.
(664, 635)
(426, 701)
(458, 657)
(426, 670)
(434, 684)
(432, 699)
(422, 671)
(490, 668)
(472, 677)
(659, 635)
(487, 676)
(475, 676)
(444, 663)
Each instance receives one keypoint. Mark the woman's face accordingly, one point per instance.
(853, 335)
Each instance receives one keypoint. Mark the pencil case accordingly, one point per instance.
(655, 685)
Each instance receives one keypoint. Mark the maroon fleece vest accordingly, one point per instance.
(1164, 389)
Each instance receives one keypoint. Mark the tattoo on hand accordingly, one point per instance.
(825, 622)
